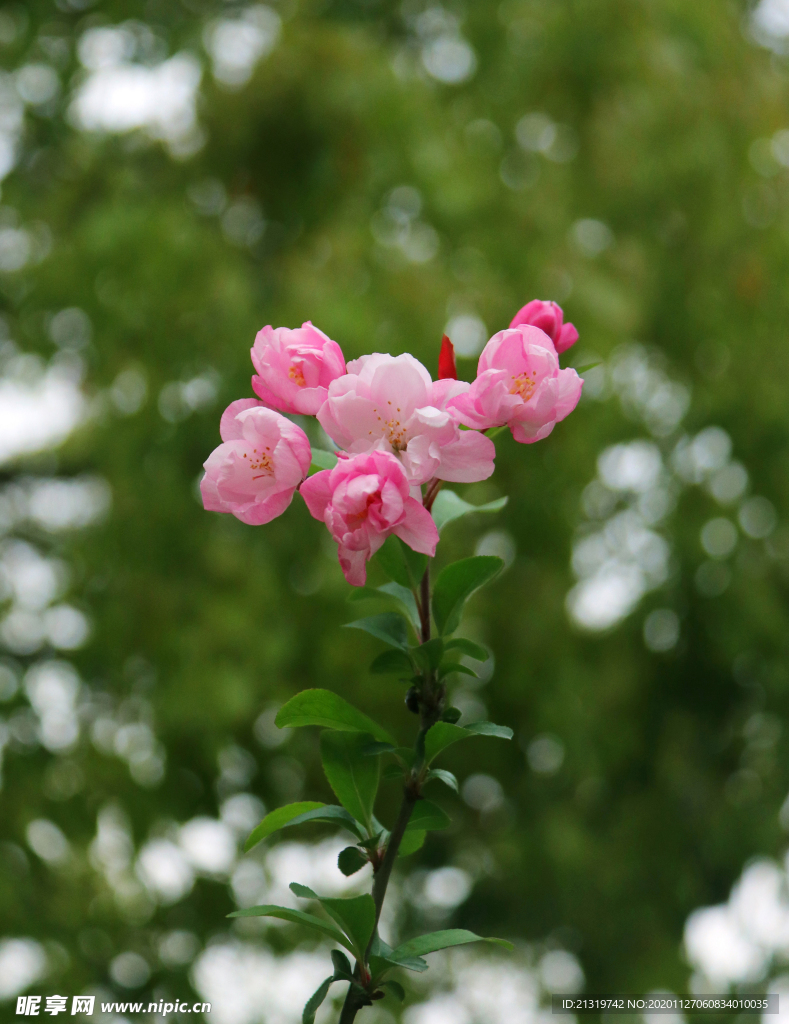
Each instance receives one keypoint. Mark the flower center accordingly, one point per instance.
(296, 374)
(524, 385)
(355, 521)
(393, 430)
(262, 461)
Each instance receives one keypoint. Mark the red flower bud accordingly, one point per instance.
(446, 360)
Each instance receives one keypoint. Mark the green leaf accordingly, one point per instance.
(354, 914)
(440, 736)
(342, 965)
(323, 459)
(443, 776)
(587, 367)
(454, 666)
(278, 819)
(389, 592)
(351, 860)
(372, 841)
(376, 749)
(315, 1000)
(451, 715)
(405, 598)
(456, 583)
(381, 959)
(502, 732)
(391, 627)
(444, 734)
(460, 643)
(297, 917)
(449, 506)
(424, 944)
(322, 707)
(401, 564)
(427, 816)
(352, 775)
(392, 772)
(429, 655)
(413, 840)
(395, 988)
(395, 662)
(331, 814)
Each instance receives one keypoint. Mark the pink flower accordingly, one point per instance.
(519, 383)
(362, 501)
(390, 403)
(295, 367)
(548, 317)
(263, 460)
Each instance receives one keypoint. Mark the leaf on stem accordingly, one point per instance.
(443, 776)
(401, 564)
(315, 1000)
(322, 707)
(394, 662)
(298, 814)
(390, 592)
(456, 583)
(429, 655)
(433, 941)
(381, 960)
(391, 627)
(448, 667)
(342, 966)
(352, 775)
(395, 988)
(354, 914)
(475, 651)
(297, 917)
(351, 860)
(444, 734)
(448, 506)
(502, 732)
(413, 840)
(426, 816)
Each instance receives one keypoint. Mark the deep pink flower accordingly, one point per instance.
(295, 367)
(519, 382)
(390, 403)
(262, 461)
(363, 500)
(548, 316)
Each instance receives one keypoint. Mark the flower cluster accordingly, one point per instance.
(394, 427)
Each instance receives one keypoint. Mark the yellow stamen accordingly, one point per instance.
(524, 385)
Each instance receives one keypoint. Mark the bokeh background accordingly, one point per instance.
(178, 174)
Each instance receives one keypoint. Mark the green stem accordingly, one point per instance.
(431, 703)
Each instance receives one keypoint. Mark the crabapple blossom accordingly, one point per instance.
(295, 367)
(363, 500)
(548, 316)
(391, 403)
(519, 382)
(255, 471)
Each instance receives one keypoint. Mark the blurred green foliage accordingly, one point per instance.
(661, 796)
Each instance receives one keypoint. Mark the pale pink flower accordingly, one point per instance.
(295, 367)
(390, 403)
(519, 382)
(363, 500)
(548, 316)
(262, 461)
